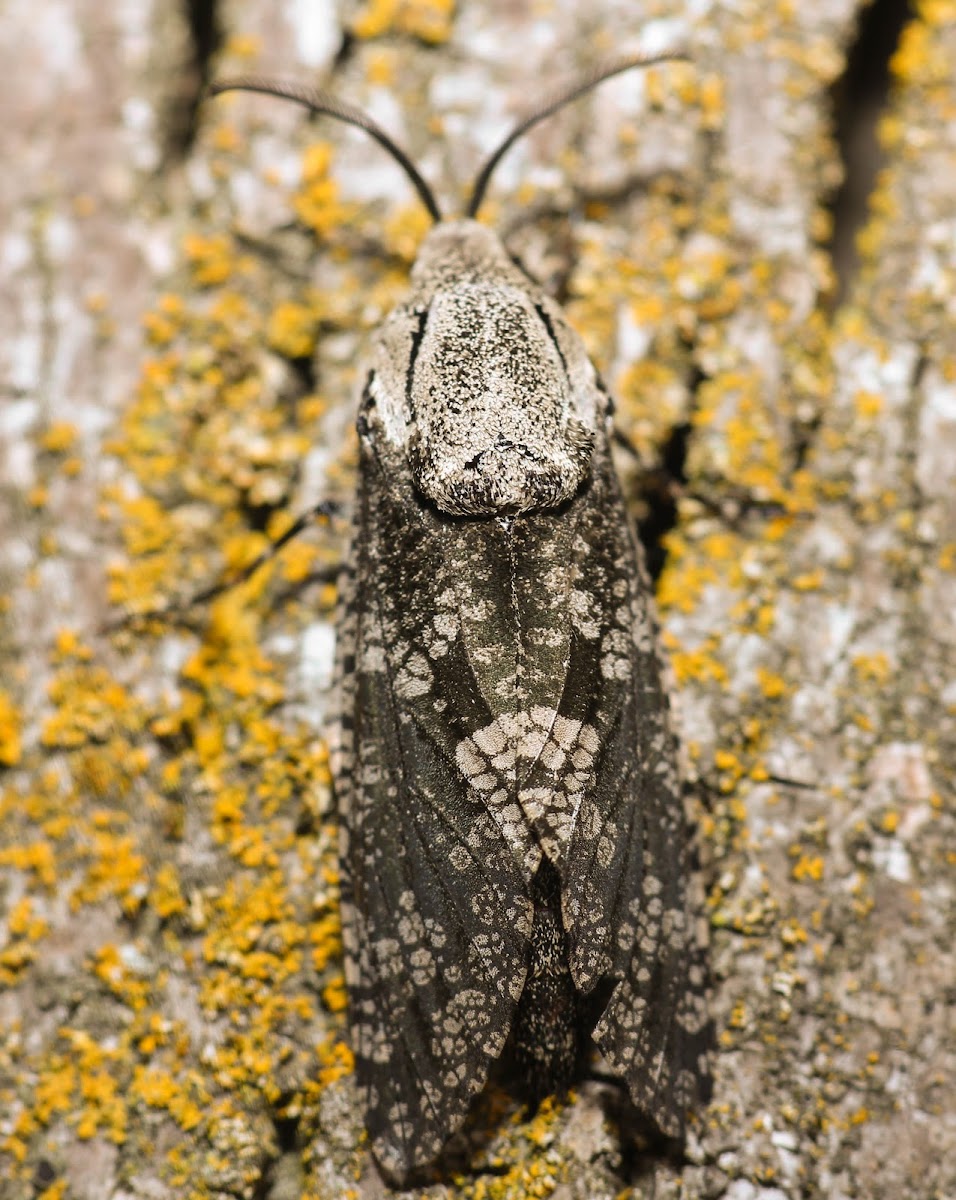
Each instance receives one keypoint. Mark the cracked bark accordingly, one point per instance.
(817, 648)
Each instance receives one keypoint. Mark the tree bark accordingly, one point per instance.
(188, 285)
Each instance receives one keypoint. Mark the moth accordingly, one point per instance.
(514, 849)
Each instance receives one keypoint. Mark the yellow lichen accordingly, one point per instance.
(808, 867)
(213, 258)
(334, 996)
(772, 685)
(429, 20)
(868, 405)
(699, 664)
(872, 668)
(316, 203)
(809, 581)
(292, 329)
(36, 856)
(10, 725)
(59, 438)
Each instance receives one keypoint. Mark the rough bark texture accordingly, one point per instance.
(185, 294)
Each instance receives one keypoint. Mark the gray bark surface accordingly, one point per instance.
(182, 322)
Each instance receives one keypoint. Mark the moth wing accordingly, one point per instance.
(436, 916)
(628, 860)
(631, 924)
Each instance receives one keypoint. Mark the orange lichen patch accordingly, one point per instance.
(59, 438)
(24, 928)
(299, 561)
(527, 1164)
(317, 203)
(83, 1081)
(110, 966)
(54, 1089)
(792, 933)
(325, 934)
(36, 856)
(154, 1031)
(428, 20)
(210, 397)
(334, 995)
(14, 959)
(755, 454)
(10, 726)
(165, 895)
(91, 706)
(233, 682)
(254, 937)
(809, 581)
(699, 664)
(183, 1096)
(381, 67)
(868, 405)
(22, 921)
(404, 230)
(807, 867)
(708, 281)
(712, 101)
(166, 321)
(772, 685)
(226, 139)
(335, 1061)
(243, 46)
(116, 869)
(255, 1049)
(293, 328)
(872, 668)
(147, 527)
(213, 259)
(921, 55)
(684, 578)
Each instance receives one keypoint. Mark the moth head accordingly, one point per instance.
(478, 380)
(495, 403)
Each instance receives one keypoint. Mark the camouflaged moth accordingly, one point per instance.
(515, 856)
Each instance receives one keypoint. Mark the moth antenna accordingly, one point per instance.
(558, 99)
(324, 103)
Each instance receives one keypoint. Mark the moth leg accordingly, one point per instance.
(662, 485)
(325, 508)
(178, 614)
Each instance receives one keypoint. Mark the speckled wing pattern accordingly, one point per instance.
(435, 909)
(499, 703)
(501, 699)
(627, 864)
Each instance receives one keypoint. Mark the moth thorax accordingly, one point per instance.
(494, 423)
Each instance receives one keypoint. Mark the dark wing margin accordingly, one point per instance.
(628, 870)
(435, 913)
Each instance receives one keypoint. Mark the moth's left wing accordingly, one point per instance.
(436, 913)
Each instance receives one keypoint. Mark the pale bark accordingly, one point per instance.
(815, 646)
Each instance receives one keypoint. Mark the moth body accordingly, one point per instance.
(548, 1037)
(478, 381)
(514, 853)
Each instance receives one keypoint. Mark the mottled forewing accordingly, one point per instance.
(626, 864)
(435, 911)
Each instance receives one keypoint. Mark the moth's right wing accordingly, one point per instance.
(629, 867)
(436, 913)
